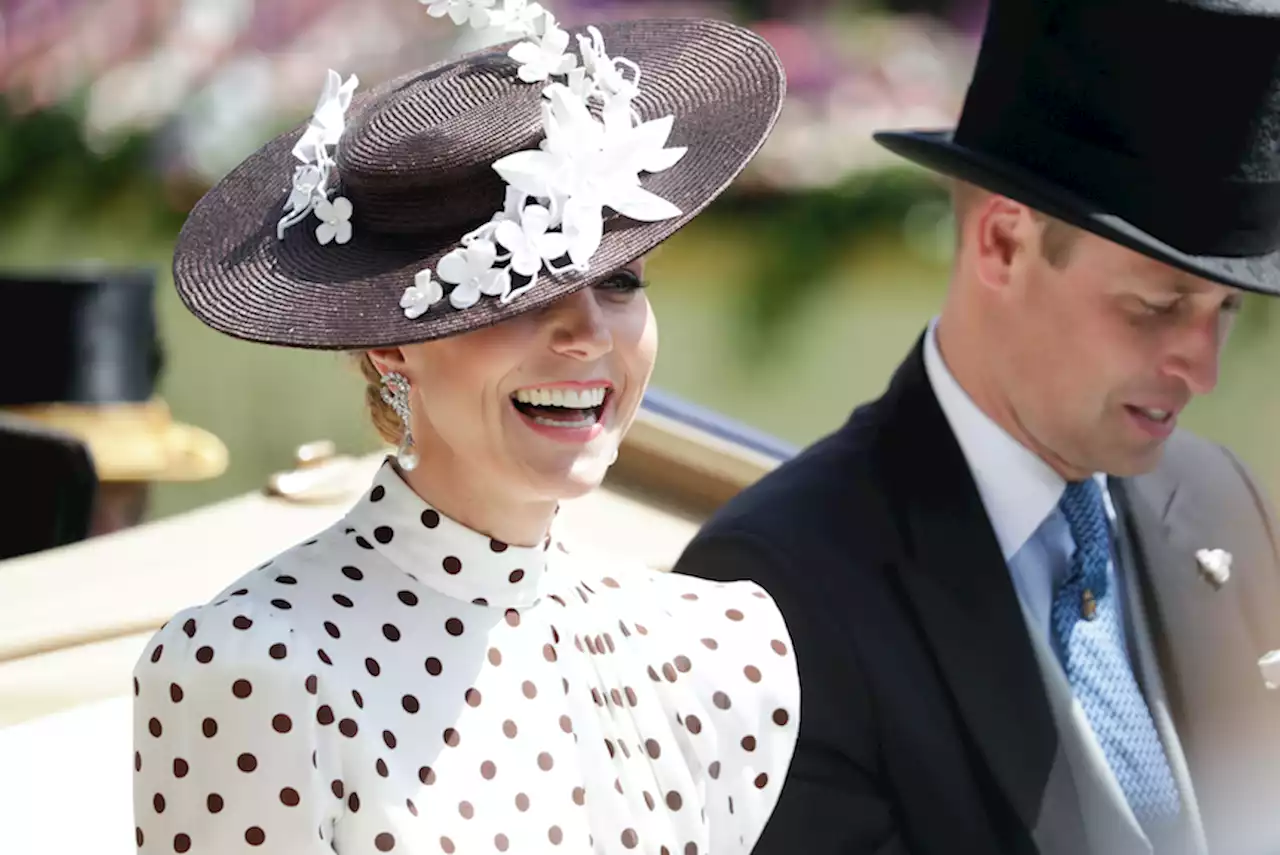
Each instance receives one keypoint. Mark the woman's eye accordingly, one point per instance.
(622, 282)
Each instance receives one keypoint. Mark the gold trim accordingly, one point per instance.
(134, 442)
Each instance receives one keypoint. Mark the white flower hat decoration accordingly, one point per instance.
(466, 193)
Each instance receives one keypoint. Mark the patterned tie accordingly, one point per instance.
(1087, 627)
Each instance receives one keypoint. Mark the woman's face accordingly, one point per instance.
(534, 406)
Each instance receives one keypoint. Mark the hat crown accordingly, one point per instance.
(1176, 100)
(418, 153)
(1145, 78)
(95, 335)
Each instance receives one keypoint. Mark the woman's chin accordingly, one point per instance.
(573, 478)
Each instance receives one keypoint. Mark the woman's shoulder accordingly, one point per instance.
(255, 616)
(638, 587)
(717, 634)
(719, 660)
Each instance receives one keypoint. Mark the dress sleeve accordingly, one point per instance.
(229, 756)
(734, 643)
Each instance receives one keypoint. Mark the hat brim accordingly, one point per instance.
(723, 84)
(136, 442)
(937, 151)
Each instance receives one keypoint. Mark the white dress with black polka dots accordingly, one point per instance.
(404, 684)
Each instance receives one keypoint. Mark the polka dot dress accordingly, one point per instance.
(404, 684)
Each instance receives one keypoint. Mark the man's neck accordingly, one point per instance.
(972, 366)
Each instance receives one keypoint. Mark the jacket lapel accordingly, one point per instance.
(956, 580)
(1147, 658)
(1206, 646)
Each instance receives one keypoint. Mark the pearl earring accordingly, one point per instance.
(395, 392)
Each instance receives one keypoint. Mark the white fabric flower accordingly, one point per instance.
(578, 82)
(544, 57)
(475, 12)
(585, 160)
(530, 241)
(606, 71)
(512, 205)
(335, 220)
(308, 189)
(328, 121)
(310, 181)
(307, 182)
(519, 17)
(470, 269)
(583, 230)
(424, 293)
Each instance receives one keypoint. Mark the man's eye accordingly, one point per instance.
(1151, 308)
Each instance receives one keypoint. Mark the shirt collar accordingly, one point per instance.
(1018, 489)
(441, 553)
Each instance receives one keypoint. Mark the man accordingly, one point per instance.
(49, 478)
(81, 357)
(1028, 611)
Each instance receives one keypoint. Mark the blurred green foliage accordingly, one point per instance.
(45, 152)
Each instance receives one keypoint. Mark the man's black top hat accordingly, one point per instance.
(78, 338)
(1154, 123)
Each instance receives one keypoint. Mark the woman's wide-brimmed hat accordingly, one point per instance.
(456, 197)
(1154, 124)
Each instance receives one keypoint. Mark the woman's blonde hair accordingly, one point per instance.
(385, 421)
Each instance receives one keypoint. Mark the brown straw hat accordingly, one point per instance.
(416, 158)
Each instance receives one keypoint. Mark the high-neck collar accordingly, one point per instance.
(441, 553)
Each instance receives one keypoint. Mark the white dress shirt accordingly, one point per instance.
(1020, 493)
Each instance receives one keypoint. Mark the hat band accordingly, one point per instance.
(1226, 217)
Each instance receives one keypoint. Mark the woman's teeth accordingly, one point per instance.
(1153, 414)
(562, 408)
(573, 399)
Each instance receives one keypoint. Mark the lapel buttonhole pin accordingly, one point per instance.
(1269, 665)
(1215, 566)
(1088, 606)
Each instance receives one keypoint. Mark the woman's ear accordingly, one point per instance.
(387, 359)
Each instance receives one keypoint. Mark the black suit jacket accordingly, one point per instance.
(924, 722)
(50, 483)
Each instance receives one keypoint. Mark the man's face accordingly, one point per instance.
(1103, 350)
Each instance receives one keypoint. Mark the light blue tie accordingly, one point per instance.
(1087, 627)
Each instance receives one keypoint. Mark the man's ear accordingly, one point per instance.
(1003, 231)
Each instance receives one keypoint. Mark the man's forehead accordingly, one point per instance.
(1164, 274)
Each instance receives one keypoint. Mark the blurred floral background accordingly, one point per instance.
(786, 304)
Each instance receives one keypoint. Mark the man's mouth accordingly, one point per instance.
(1154, 414)
(563, 407)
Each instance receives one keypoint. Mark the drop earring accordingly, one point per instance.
(395, 393)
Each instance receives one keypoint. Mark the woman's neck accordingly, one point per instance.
(475, 502)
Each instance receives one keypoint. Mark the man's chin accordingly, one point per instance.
(1137, 462)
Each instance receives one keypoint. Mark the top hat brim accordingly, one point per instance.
(938, 151)
(134, 442)
(723, 84)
